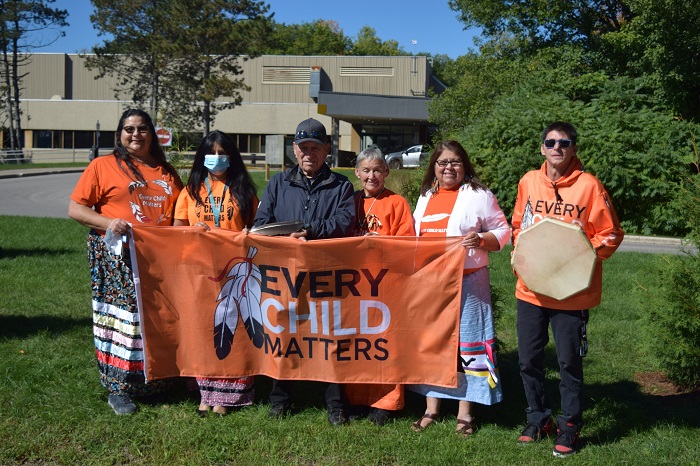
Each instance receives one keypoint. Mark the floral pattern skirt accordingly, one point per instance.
(115, 319)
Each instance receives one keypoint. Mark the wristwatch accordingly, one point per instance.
(482, 241)
(307, 229)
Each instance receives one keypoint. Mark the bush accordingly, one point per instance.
(628, 139)
(673, 321)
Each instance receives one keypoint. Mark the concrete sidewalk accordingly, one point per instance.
(35, 171)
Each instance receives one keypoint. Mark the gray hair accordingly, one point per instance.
(371, 153)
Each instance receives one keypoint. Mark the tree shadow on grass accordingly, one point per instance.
(14, 326)
(9, 253)
(620, 408)
(612, 410)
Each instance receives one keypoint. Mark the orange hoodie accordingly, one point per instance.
(577, 198)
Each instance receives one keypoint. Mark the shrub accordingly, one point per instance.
(673, 321)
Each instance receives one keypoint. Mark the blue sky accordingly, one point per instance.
(431, 24)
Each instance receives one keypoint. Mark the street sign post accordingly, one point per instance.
(165, 136)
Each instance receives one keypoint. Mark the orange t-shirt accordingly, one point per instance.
(437, 213)
(116, 193)
(388, 214)
(229, 216)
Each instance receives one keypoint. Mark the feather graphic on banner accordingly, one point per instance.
(240, 294)
(225, 319)
(249, 293)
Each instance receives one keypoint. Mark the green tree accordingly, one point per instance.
(545, 23)
(211, 36)
(660, 43)
(474, 82)
(19, 23)
(440, 63)
(178, 56)
(320, 37)
(672, 325)
(138, 52)
(368, 44)
(629, 139)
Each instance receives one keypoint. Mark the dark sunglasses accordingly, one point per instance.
(143, 129)
(312, 135)
(563, 143)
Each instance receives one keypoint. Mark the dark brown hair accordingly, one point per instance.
(238, 180)
(122, 155)
(470, 177)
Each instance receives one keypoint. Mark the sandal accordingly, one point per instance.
(418, 425)
(464, 428)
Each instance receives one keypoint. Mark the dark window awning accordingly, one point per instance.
(373, 109)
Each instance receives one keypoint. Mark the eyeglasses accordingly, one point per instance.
(306, 135)
(444, 163)
(563, 143)
(143, 129)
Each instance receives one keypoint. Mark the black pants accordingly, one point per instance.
(282, 393)
(532, 323)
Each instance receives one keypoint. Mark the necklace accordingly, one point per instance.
(216, 209)
(359, 204)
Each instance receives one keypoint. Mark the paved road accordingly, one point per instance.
(24, 192)
(37, 196)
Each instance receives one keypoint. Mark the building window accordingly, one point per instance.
(42, 139)
(83, 139)
(243, 142)
(255, 143)
(106, 139)
(390, 138)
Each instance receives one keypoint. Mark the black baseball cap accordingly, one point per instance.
(310, 130)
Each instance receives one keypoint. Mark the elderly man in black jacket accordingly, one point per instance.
(323, 200)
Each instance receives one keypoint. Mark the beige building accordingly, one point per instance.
(361, 100)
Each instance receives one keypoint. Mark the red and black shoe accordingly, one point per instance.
(565, 443)
(534, 433)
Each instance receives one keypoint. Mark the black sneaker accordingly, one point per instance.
(565, 444)
(336, 415)
(279, 410)
(356, 412)
(534, 433)
(121, 404)
(379, 417)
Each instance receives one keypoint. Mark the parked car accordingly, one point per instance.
(411, 157)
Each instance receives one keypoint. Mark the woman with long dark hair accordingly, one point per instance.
(454, 202)
(133, 185)
(219, 194)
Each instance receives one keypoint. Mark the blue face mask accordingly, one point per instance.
(216, 164)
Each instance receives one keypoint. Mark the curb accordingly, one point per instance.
(654, 240)
(38, 171)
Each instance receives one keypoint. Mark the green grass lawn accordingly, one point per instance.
(53, 409)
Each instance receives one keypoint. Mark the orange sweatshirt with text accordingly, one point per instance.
(577, 198)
